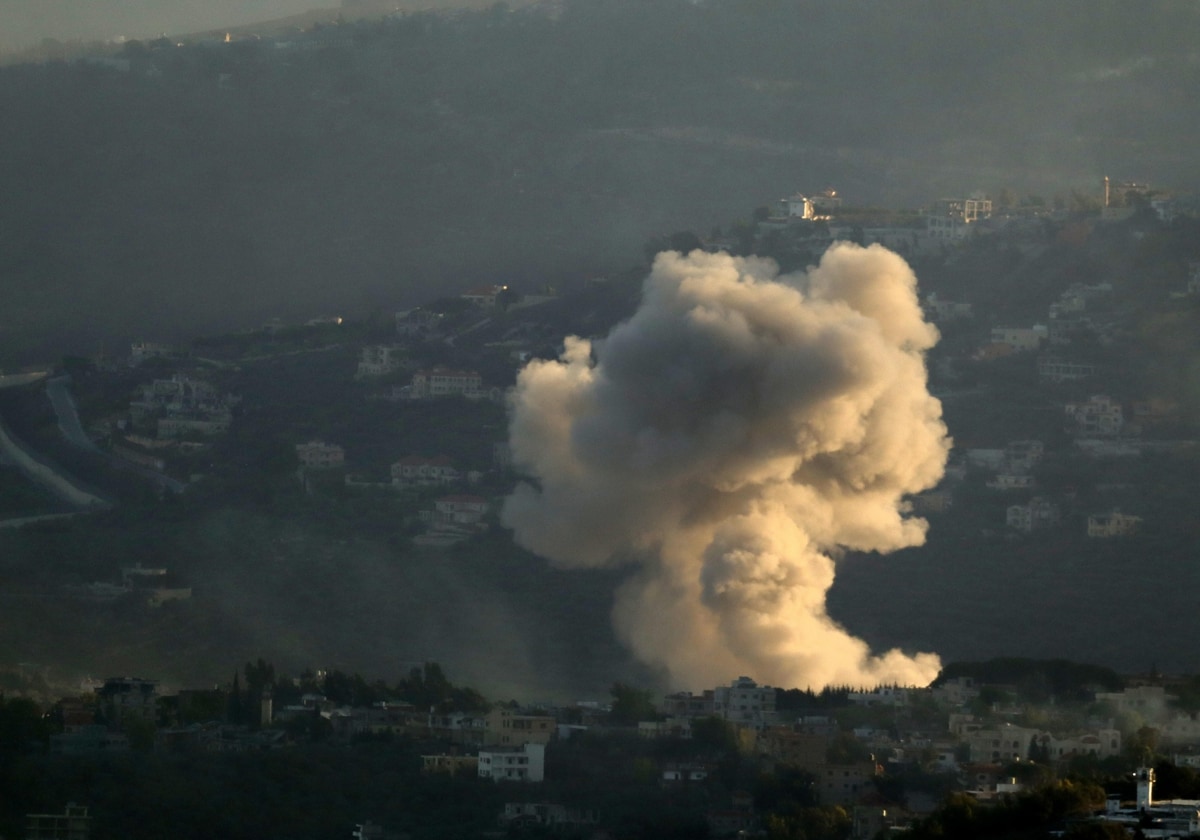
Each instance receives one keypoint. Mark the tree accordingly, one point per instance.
(260, 679)
(22, 725)
(141, 734)
(236, 708)
(1142, 745)
(827, 822)
(847, 749)
(631, 705)
(716, 734)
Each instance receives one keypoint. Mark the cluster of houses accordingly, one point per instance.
(977, 748)
(182, 406)
(1101, 426)
(974, 744)
(153, 586)
(452, 518)
(947, 222)
(1011, 469)
(378, 360)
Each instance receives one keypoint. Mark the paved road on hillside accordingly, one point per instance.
(67, 414)
(58, 483)
(68, 422)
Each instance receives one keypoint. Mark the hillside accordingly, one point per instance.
(320, 572)
(345, 169)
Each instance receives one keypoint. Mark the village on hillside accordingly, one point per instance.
(395, 427)
(740, 759)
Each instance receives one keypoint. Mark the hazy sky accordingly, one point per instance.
(26, 22)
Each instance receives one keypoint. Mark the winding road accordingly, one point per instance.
(68, 423)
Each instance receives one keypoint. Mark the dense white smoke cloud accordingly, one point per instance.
(731, 438)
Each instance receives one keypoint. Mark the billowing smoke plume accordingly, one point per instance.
(731, 438)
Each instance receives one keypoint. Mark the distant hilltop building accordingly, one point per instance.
(141, 351)
(417, 322)
(952, 218)
(1124, 193)
(968, 210)
(484, 296)
(820, 206)
(745, 702)
(1122, 199)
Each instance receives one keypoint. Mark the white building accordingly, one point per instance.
(1099, 416)
(458, 512)
(1104, 743)
(1149, 701)
(970, 210)
(513, 764)
(798, 206)
(1027, 518)
(508, 727)
(1058, 370)
(1154, 819)
(377, 360)
(945, 310)
(320, 455)
(952, 219)
(141, 351)
(1001, 744)
(956, 692)
(547, 814)
(484, 296)
(167, 428)
(991, 459)
(745, 702)
(416, 471)
(1020, 338)
(1114, 524)
(1008, 481)
(945, 228)
(183, 406)
(1023, 455)
(417, 322)
(444, 382)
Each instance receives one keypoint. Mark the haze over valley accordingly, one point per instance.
(590, 419)
(175, 191)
